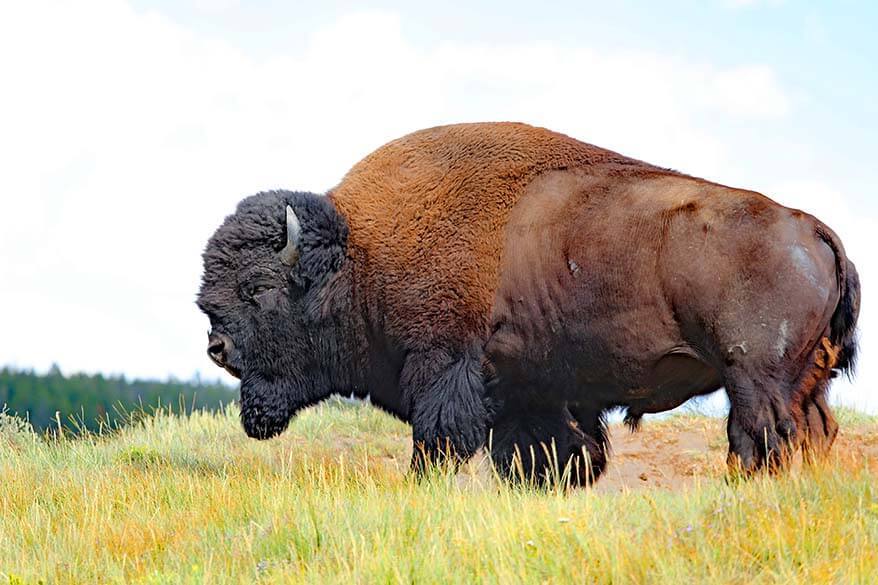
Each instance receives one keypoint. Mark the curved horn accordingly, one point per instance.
(290, 253)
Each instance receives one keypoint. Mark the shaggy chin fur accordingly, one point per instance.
(285, 322)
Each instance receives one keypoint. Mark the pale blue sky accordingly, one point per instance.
(826, 52)
(129, 129)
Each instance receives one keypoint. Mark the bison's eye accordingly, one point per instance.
(256, 290)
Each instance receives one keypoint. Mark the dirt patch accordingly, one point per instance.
(666, 455)
(677, 454)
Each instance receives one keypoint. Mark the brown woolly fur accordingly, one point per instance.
(505, 281)
(428, 211)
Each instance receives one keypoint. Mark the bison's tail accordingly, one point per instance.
(843, 326)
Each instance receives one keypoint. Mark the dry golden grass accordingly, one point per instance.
(191, 499)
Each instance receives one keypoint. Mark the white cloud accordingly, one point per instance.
(752, 91)
(128, 138)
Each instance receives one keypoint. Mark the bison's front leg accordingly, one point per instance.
(593, 424)
(445, 393)
(544, 443)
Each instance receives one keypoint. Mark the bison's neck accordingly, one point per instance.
(343, 354)
(368, 360)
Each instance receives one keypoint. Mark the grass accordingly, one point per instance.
(176, 499)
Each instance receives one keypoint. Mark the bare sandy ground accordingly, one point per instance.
(677, 454)
(668, 455)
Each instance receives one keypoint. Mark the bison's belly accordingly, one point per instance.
(603, 362)
(671, 381)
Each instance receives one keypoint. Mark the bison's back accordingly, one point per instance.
(427, 214)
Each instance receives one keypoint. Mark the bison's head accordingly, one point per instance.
(267, 270)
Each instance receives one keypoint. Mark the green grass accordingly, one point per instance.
(191, 499)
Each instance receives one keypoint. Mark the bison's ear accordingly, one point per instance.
(290, 254)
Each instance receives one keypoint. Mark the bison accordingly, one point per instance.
(503, 283)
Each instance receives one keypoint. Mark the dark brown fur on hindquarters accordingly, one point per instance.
(713, 304)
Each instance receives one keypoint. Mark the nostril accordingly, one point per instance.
(221, 349)
(217, 346)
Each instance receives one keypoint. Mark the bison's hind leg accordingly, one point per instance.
(743, 455)
(546, 445)
(819, 425)
(822, 429)
(761, 428)
(770, 418)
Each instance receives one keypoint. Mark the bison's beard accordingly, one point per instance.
(267, 406)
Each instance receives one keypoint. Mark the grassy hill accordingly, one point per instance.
(191, 499)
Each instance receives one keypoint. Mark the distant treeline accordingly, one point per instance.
(88, 401)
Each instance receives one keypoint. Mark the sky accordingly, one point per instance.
(129, 130)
